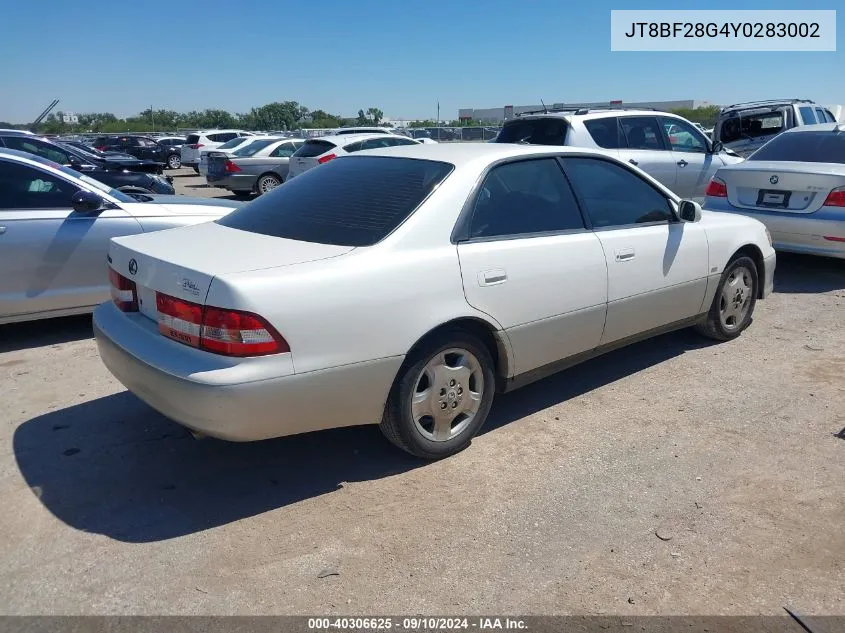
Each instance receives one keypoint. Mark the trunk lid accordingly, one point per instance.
(182, 262)
(781, 186)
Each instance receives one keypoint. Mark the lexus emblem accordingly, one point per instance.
(133, 266)
(773, 180)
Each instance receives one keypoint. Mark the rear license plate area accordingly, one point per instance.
(773, 198)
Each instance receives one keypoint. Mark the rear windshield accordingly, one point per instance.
(751, 125)
(534, 132)
(804, 147)
(352, 201)
(234, 142)
(314, 148)
(254, 147)
(192, 139)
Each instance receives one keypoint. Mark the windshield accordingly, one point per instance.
(546, 131)
(240, 140)
(352, 201)
(254, 147)
(804, 147)
(751, 125)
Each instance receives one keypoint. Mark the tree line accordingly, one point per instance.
(280, 115)
(284, 115)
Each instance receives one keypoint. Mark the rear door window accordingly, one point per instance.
(525, 197)
(542, 131)
(313, 148)
(642, 132)
(820, 116)
(351, 201)
(604, 132)
(285, 150)
(251, 149)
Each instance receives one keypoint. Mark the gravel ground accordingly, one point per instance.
(671, 477)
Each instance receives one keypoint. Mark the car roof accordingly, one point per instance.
(818, 127)
(348, 138)
(217, 131)
(772, 103)
(465, 153)
(590, 114)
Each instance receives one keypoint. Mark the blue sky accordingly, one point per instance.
(122, 56)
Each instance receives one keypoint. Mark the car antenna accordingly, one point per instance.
(545, 109)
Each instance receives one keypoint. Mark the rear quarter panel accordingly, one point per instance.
(318, 306)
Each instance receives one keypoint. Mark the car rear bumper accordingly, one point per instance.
(237, 410)
(808, 233)
(233, 182)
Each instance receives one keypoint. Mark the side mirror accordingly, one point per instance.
(689, 210)
(717, 147)
(86, 202)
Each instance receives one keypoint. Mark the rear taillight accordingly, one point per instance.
(217, 330)
(326, 158)
(716, 188)
(195, 145)
(123, 292)
(835, 198)
(231, 168)
(101, 148)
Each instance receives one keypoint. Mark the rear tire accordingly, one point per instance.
(732, 307)
(441, 396)
(266, 183)
(196, 170)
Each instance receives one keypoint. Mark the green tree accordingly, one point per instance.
(706, 115)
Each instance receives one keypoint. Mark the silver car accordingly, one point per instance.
(55, 227)
(257, 168)
(795, 185)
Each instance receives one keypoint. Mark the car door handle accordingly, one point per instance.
(625, 254)
(492, 277)
(682, 163)
(633, 162)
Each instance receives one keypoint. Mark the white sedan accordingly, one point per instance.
(405, 286)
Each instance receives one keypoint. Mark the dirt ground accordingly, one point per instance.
(672, 477)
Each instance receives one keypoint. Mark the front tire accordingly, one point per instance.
(174, 161)
(732, 307)
(441, 396)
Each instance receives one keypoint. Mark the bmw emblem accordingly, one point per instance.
(133, 266)
(773, 180)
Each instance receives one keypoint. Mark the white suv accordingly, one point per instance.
(666, 146)
(208, 139)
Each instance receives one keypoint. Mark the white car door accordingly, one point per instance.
(529, 262)
(52, 258)
(691, 152)
(644, 146)
(657, 266)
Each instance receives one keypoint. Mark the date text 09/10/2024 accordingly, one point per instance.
(415, 624)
